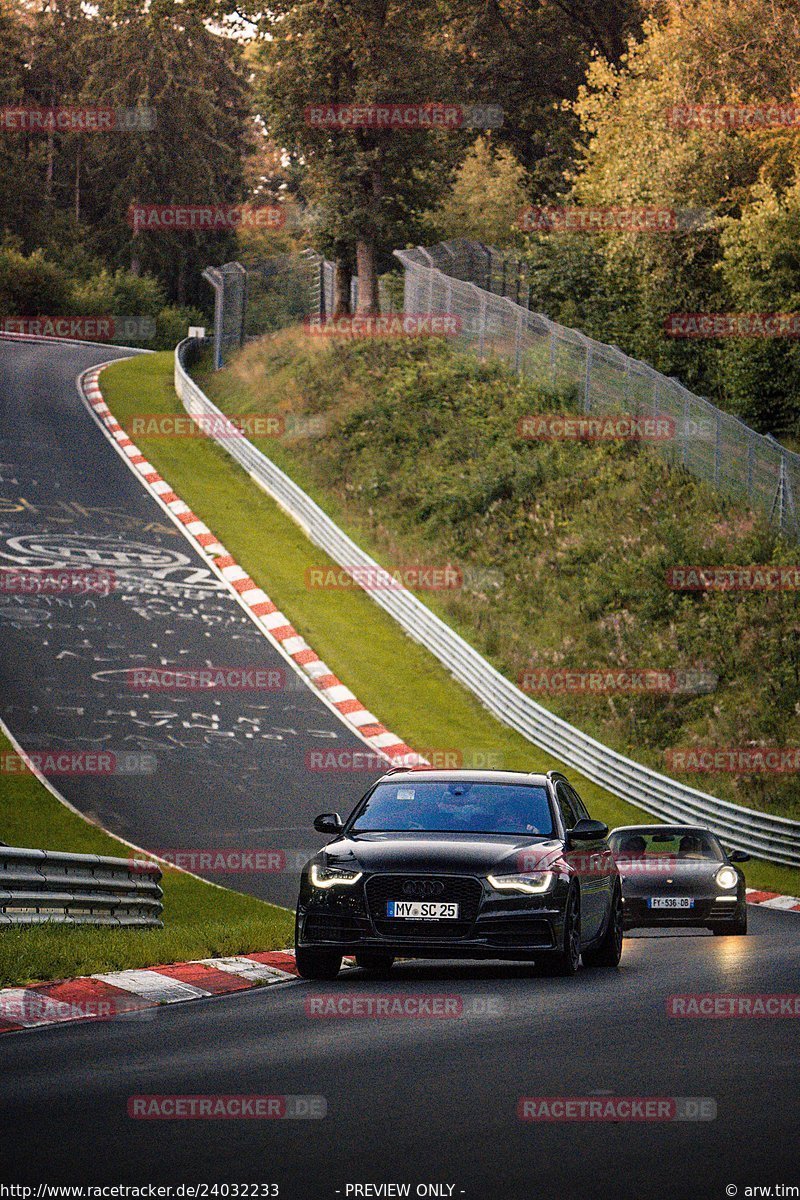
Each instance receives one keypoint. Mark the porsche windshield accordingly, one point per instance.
(409, 806)
(690, 844)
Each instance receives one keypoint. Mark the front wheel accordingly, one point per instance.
(317, 964)
(609, 951)
(565, 960)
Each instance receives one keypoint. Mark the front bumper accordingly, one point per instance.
(707, 911)
(501, 926)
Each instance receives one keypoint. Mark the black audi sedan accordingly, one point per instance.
(679, 875)
(461, 864)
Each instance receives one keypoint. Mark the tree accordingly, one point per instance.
(164, 56)
(368, 187)
(530, 57)
(743, 256)
(43, 59)
(489, 192)
(15, 182)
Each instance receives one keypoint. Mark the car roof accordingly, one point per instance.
(521, 778)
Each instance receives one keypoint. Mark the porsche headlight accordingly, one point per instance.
(328, 877)
(532, 883)
(726, 877)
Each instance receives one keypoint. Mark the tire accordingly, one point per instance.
(737, 927)
(317, 964)
(609, 951)
(375, 961)
(566, 960)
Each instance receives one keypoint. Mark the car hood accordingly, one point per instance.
(442, 852)
(639, 879)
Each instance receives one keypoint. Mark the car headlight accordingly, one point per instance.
(532, 882)
(726, 877)
(327, 877)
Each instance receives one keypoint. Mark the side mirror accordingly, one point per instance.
(587, 830)
(738, 856)
(328, 823)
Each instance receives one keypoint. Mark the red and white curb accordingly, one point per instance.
(118, 994)
(773, 900)
(267, 615)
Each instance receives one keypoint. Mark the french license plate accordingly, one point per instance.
(422, 910)
(671, 902)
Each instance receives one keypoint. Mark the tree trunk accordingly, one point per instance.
(181, 281)
(78, 183)
(48, 184)
(367, 267)
(342, 277)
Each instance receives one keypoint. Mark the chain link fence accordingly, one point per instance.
(489, 295)
(275, 292)
(266, 295)
(230, 304)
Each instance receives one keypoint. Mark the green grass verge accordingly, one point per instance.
(392, 675)
(201, 920)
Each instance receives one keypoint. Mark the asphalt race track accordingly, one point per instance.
(221, 770)
(434, 1100)
(417, 1101)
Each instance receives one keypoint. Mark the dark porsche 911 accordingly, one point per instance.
(461, 864)
(679, 875)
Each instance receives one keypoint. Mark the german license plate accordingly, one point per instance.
(422, 910)
(671, 902)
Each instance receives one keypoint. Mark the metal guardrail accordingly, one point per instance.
(774, 838)
(40, 887)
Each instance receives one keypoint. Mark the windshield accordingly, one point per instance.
(456, 807)
(686, 844)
